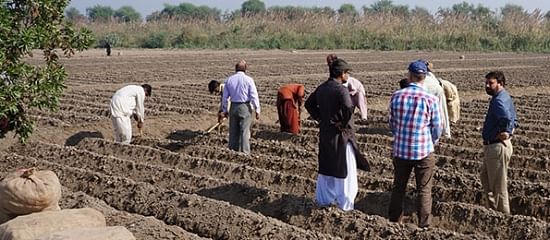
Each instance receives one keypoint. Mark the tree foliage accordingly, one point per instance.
(511, 10)
(73, 15)
(100, 13)
(127, 14)
(252, 7)
(185, 11)
(26, 25)
(467, 11)
(386, 7)
(297, 12)
(347, 9)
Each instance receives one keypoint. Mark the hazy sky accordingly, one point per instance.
(146, 7)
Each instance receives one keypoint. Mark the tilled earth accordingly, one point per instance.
(174, 182)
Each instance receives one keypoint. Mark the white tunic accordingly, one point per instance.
(127, 101)
(431, 84)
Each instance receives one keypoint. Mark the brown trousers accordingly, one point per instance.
(423, 172)
(494, 175)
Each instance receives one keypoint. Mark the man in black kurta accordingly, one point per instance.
(330, 104)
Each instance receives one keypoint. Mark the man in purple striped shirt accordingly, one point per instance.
(240, 88)
(416, 124)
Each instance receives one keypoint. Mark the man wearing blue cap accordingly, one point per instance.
(416, 124)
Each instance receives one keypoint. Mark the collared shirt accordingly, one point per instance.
(240, 88)
(501, 116)
(415, 121)
(358, 96)
(127, 101)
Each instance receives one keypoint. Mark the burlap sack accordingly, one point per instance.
(105, 233)
(27, 191)
(44, 223)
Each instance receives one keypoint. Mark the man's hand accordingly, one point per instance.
(503, 136)
(257, 116)
(221, 116)
(140, 125)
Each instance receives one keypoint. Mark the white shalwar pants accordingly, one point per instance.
(123, 129)
(341, 191)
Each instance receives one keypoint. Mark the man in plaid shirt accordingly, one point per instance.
(416, 124)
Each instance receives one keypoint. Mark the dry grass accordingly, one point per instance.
(527, 32)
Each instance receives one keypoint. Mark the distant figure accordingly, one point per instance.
(339, 157)
(108, 48)
(289, 103)
(125, 103)
(216, 88)
(415, 121)
(498, 129)
(356, 90)
(244, 96)
(453, 100)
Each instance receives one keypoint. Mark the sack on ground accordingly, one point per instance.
(27, 191)
(43, 223)
(105, 233)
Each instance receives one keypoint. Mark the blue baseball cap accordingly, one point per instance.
(418, 67)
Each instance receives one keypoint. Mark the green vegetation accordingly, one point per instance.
(26, 25)
(382, 25)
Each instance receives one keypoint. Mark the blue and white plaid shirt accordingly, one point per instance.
(415, 121)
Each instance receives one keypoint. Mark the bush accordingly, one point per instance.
(155, 40)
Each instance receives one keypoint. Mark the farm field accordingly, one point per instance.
(173, 182)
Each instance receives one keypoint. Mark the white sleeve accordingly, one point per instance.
(140, 109)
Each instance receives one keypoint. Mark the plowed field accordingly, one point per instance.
(173, 182)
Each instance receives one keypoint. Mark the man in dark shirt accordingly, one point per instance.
(498, 129)
(330, 104)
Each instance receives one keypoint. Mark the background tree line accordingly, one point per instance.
(188, 11)
(381, 25)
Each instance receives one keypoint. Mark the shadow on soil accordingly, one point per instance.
(378, 203)
(78, 137)
(270, 135)
(183, 135)
(182, 138)
(374, 130)
(259, 200)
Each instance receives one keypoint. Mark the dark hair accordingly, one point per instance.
(403, 83)
(330, 58)
(148, 89)
(417, 77)
(213, 85)
(498, 75)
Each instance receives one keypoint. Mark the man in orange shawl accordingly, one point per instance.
(289, 101)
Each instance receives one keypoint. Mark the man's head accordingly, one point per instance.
(214, 87)
(429, 65)
(417, 71)
(494, 82)
(404, 83)
(148, 89)
(339, 70)
(330, 58)
(241, 66)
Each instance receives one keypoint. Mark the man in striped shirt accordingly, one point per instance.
(416, 124)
